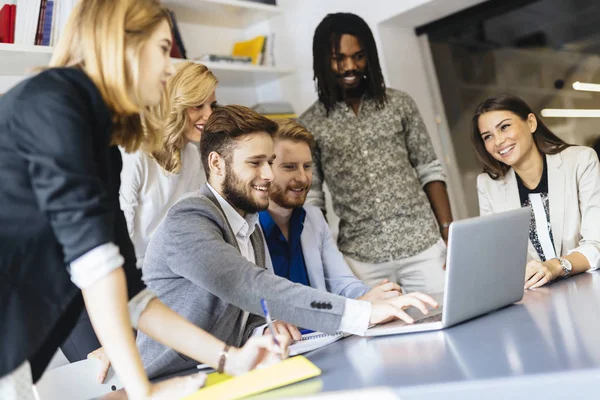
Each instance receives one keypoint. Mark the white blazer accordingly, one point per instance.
(574, 196)
(327, 270)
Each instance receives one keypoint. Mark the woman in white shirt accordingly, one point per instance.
(525, 164)
(152, 183)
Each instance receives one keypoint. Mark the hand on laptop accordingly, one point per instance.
(101, 355)
(391, 309)
(384, 290)
(284, 329)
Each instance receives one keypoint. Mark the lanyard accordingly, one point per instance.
(542, 226)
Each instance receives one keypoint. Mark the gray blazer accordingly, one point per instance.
(194, 266)
(327, 270)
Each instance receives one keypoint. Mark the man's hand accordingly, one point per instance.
(100, 355)
(538, 274)
(286, 330)
(383, 291)
(388, 310)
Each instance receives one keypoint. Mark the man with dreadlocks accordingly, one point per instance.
(374, 152)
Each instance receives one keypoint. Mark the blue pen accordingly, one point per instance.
(263, 303)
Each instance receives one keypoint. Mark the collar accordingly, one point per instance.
(270, 227)
(242, 227)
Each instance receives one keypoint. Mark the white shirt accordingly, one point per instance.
(357, 313)
(148, 191)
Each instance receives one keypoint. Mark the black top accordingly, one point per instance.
(58, 200)
(542, 189)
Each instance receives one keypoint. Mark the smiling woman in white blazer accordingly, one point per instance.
(521, 157)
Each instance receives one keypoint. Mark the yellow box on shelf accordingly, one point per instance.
(250, 48)
(289, 371)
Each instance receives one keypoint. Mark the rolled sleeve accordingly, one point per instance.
(431, 172)
(95, 264)
(355, 319)
(138, 304)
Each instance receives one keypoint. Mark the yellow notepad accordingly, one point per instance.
(289, 371)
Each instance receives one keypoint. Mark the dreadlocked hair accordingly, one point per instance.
(327, 38)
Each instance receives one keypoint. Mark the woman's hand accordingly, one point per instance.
(99, 354)
(383, 291)
(176, 388)
(258, 350)
(539, 273)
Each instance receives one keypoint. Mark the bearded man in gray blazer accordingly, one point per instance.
(206, 260)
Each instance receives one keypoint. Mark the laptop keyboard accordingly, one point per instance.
(431, 318)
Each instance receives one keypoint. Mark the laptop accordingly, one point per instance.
(485, 271)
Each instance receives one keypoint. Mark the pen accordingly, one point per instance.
(263, 303)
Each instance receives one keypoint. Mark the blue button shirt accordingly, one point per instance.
(287, 257)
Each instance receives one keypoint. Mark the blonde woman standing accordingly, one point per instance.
(152, 182)
(61, 230)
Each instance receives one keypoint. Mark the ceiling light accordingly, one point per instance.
(570, 113)
(587, 87)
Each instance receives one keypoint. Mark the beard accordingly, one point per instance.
(354, 92)
(278, 196)
(239, 194)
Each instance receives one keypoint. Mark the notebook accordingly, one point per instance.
(289, 371)
(314, 340)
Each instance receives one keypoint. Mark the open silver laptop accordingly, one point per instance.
(485, 271)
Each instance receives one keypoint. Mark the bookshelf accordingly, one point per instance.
(238, 14)
(16, 59)
(234, 75)
(220, 22)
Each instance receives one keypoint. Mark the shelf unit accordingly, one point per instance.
(18, 60)
(222, 13)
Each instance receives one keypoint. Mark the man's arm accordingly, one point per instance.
(196, 250)
(440, 203)
(429, 169)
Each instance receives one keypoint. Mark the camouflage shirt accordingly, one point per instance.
(376, 165)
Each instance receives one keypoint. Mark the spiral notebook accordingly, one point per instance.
(314, 340)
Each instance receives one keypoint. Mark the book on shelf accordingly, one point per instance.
(274, 107)
(260, 49)
(269, 2)
(33, 22)
(7, 23)
(225, 59)
(250, 48)
(177, 49)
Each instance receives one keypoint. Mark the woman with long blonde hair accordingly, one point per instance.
(151, 182)
(61, 231)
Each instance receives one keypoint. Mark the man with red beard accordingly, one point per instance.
(207, 260)
(298, 239)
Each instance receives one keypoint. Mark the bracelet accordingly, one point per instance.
(222, 358)
(445, 225)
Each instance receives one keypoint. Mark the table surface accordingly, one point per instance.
(553, 330)
(548, 343)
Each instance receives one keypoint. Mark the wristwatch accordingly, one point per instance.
(566, 266)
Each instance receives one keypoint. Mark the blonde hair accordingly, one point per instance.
(104, 38)
(191, 86)
(290, 129)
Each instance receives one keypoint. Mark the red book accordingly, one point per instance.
(13, 22)
(5, 24)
